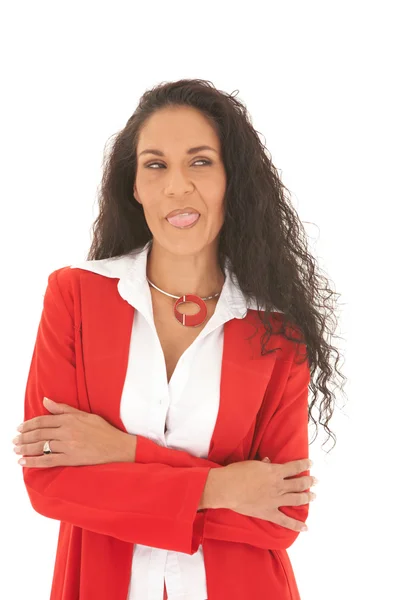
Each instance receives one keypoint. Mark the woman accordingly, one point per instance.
(177, 359)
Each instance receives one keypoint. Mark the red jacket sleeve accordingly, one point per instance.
(285, 439)
(150, 504)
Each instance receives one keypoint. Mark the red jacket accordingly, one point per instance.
(80, 358)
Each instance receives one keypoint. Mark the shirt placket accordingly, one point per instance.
(155, 575)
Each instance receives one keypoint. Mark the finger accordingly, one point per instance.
(44, 421)
(36, 449)
(266, 459)
(278, 517)
(296, 499)
(297, 484)
(45, 461)
(290, 523)
(295, 467)
(38, 435)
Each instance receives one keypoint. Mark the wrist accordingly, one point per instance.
(128, 448)
(214, 493)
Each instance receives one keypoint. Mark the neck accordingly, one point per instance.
(177, 274)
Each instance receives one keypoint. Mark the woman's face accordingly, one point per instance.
(175, 179)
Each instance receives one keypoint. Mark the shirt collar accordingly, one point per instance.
(231, 302)
(131, 270)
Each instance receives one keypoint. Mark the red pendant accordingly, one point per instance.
(191, 320)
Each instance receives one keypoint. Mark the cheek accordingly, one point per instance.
(219, 211)
(152, 209)
(216, 204)
(215, 215)
(152, 216)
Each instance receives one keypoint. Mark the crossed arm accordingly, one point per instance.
(165, 513)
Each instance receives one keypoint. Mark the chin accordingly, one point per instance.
(184, 248)
(183, 242)
(181, 247)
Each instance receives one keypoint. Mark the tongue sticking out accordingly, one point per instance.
(183, 220)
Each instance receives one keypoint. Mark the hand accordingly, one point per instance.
(76, 438)
(257, 489)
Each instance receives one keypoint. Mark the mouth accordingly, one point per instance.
(183, 220)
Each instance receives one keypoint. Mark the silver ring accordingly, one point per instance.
(46, 448)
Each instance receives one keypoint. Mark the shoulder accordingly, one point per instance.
(67, 284)
(73, 276)
(67, 280)
(90, 279)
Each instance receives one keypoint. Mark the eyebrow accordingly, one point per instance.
(190, 151)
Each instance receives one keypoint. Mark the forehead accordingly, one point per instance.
(180, 127)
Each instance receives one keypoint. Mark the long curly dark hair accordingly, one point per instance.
(262, 234)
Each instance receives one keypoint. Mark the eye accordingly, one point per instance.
(208, 162)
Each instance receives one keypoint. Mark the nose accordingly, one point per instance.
(178, 183)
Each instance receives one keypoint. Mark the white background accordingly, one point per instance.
(319, 80)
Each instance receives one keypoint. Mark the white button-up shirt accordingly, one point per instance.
(187, 406)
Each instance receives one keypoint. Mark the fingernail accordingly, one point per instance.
(305, 528)
(22, 461)
(19, 428)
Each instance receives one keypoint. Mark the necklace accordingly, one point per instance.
(188, 320)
